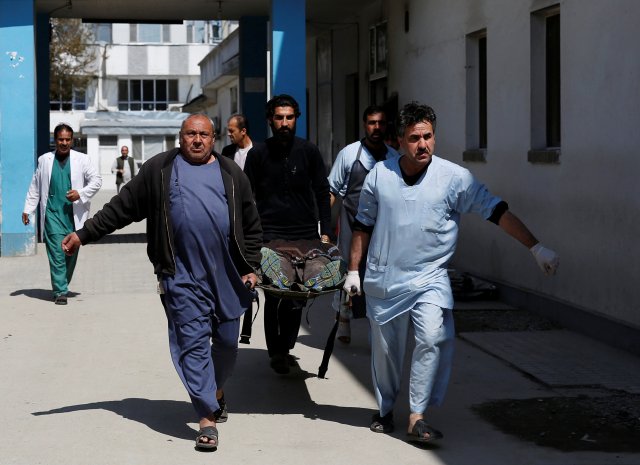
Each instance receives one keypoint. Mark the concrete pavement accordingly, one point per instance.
(92, 382)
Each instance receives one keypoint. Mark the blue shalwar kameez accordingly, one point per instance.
(406, 281)
(206, 297)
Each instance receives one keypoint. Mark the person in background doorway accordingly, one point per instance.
(63, 185)
(124, 167)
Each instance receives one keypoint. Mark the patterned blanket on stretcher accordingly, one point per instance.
(302, 265)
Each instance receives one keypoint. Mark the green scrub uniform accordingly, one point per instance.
(58, 222)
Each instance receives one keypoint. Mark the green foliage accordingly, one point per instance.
(72, 57)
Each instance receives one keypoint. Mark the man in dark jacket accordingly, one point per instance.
(289, 181)
(204, 240)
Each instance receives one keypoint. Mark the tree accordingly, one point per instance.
(72, 59)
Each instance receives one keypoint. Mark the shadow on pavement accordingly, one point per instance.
(168, 417)
(40, 294)
(254, 389)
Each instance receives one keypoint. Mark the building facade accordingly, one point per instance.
(143, 75)
(539, 100)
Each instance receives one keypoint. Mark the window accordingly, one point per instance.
(147, 94)
(378, 51)
(476, 116)
(67, 101)
(149, 33)
(145, 147)
(102, 32)
(552, 80)
(108, 141)
(216, 30)
(545, 86)
(196, 32)
(203, 32)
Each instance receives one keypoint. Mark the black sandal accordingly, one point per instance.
(210, 433)
(382, 424)
(422, 433)
(221, 415)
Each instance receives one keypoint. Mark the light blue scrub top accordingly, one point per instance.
(415, 234)
(341, 169)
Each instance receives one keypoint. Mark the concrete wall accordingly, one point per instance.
(221, 112)
(584, 207)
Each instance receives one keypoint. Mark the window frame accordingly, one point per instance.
(476, 98)
(546, 85)
(147, 94)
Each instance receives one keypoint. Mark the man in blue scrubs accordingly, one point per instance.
(204, 239)
(415, 203)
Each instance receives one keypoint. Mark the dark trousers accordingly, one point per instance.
(281, 323)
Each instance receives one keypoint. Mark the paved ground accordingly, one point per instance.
(92, 382)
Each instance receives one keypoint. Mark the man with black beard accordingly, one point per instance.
(289, 182)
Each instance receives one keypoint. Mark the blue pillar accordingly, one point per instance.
(253, 74)
(42, 83)
(17, 123)
(288, 59)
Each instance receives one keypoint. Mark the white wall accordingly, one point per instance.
(221, 111)
(586, 206)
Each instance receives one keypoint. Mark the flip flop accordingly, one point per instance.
(210, 433)
(420, 431)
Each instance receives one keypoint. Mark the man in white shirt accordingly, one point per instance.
(238, 132)
(124, 167)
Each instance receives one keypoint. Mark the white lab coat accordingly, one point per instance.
(84, 178)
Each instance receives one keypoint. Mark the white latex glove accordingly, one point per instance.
(353, 280)
(547, 259)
